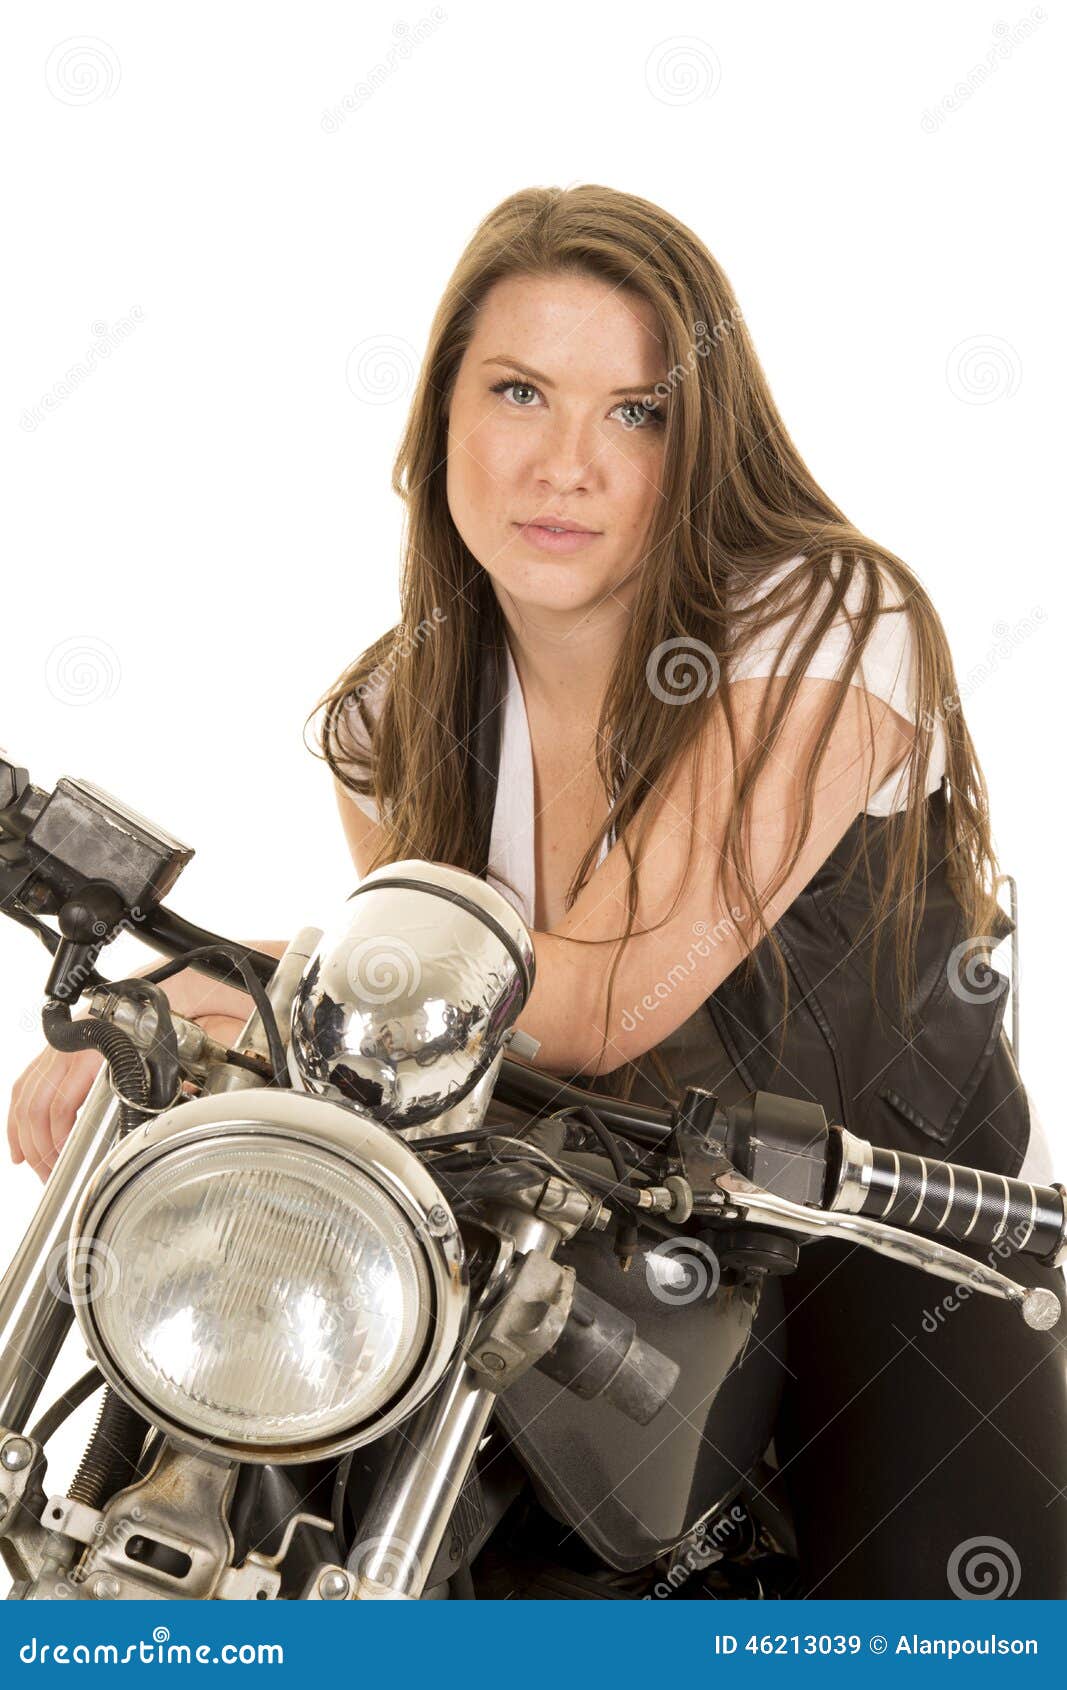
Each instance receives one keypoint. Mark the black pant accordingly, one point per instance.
(923, 1441)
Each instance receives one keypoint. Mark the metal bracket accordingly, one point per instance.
(24, 1540)
(524, 1324)
(181, 1505)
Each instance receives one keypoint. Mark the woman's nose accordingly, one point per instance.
(568, 454)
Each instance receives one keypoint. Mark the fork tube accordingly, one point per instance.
(35, 1304)
(408, 1514)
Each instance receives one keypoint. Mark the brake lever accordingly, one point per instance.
(1039, 1307)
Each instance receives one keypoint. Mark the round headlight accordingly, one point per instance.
(269, 1274)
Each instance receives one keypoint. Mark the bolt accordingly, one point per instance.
(16, 1454)
(437, 1220)
(105, 1587)
(494, 1362)
(333, 1585)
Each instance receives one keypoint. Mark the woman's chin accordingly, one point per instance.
(556, 585)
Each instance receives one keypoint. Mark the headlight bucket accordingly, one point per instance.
(267, 1275)
(406, 1001)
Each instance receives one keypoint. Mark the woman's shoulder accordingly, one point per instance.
(886, 665)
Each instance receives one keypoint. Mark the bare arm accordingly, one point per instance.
(364, 836)
(675, 967)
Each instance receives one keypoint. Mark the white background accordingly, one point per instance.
(200, 534)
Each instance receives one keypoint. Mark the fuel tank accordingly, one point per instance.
(632, 1492)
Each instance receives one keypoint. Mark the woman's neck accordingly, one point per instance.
(564, 665)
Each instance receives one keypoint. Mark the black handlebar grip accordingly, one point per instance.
(947, 1200)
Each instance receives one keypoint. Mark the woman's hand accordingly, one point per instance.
(45, 1100)
(47, 1095)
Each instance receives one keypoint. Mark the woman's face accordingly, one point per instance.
(547, 427)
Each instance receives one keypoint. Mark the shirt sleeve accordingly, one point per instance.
(886, 668)
(354, 752)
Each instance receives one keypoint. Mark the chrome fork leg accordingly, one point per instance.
(407, 1519)
(408, 1514)
(35, 1302)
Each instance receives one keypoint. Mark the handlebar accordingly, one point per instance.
(946, 1199)
(80, 852)
(777, 1163)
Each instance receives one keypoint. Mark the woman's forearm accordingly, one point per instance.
(560, 1013)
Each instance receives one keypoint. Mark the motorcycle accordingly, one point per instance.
(359, 1292)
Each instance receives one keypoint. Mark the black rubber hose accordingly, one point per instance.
(253, 986)
(176, 937)
(64, 1406)
(605, 1140)
(128, 1073)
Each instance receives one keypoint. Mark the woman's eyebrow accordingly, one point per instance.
(504, 358)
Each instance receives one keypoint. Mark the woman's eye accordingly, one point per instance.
(642, 416)
(507, 386)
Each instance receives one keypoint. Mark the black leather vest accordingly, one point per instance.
(838, 1042)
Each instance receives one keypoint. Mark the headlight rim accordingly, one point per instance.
(374, 1150)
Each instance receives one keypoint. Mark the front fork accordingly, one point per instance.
(417, 1492)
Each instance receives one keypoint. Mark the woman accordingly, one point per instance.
(651, 682)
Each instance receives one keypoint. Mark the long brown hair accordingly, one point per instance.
(737, 500)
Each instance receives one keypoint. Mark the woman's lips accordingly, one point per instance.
(547, 540)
